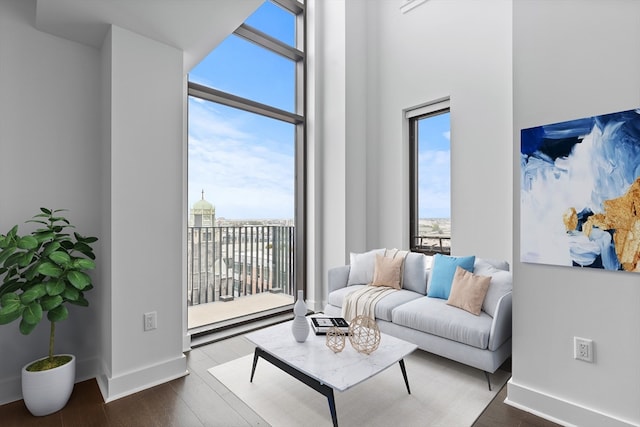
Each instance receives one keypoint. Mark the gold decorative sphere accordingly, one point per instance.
(336, 339)
(364, 334)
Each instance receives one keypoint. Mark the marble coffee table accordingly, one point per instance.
(313, 363)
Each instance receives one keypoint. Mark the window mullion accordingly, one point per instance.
(413, 184)
(210, 94)
(270, 43)
(293, 6)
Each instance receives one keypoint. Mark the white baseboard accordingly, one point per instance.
(113, 388)
(186, 342)
(558, 410)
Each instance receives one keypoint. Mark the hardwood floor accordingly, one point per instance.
(197, 400)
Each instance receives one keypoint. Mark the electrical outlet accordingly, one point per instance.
(150, 321)
(583, 349)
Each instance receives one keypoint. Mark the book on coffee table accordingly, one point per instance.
(321, 325)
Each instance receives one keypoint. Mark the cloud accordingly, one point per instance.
(244, 164)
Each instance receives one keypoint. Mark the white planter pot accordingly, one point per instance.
(46, 392)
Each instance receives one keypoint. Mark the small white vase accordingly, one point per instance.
(300, 325)
(46, 392)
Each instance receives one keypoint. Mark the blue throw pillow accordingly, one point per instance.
(441, 276)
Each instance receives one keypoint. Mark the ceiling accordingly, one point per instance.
(193, 26)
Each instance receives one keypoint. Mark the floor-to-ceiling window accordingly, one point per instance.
(430, 172)
(246, 170)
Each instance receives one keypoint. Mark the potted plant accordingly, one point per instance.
(41, 273)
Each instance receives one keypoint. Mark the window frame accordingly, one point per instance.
(297, 118)
(412, 117)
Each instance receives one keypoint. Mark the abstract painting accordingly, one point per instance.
(580, 192)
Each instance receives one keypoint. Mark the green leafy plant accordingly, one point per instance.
(43, 271)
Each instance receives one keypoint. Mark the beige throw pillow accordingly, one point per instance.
(387, 272)
(468, 291)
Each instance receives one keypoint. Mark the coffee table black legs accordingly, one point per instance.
(255, 362)
(332, 408)
(311, 382)
(404, 374)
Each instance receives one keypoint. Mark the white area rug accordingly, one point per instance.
(443, 393)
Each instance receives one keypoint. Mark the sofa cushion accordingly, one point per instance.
(441, 276)
(434, 316)
(384, 307)
(415, 273)
(336, 297)
(362, 266)
(501, 284)
(468, 291)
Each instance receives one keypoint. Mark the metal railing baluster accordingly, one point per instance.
(256, 258)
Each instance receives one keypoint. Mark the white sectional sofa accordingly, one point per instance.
(482, 341)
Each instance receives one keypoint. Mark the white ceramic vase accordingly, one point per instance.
(46, 392)
(300, 326)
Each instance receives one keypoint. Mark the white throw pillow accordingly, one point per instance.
(501, 284)
(483, 262)
(362, 267)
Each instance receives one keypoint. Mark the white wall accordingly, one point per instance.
(338, 137)
(357, 133)
(326, 142)
(50, 155)
(375, 63)
(145, 134)
(460, 49)
(574, 59)
(99, 133)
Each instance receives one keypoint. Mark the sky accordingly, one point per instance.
(434, 167)
(244, 162)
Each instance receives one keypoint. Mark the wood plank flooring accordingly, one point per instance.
(197, 400)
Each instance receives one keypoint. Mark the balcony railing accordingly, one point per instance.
(432, 244)
(228, 262)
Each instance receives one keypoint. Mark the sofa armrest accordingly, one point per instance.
(337, 278)
(501, 326)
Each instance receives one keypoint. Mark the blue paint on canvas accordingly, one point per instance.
(579, 192)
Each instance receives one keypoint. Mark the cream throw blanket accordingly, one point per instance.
(363, 301)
